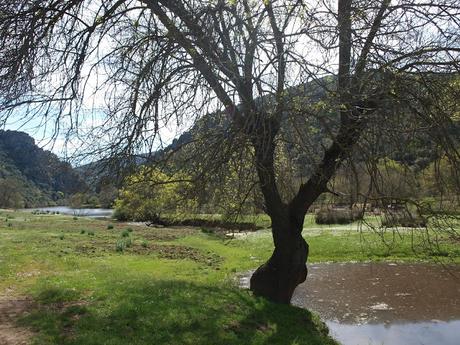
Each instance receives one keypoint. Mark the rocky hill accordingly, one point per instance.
(31, 176)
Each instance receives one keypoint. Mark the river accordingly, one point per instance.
(79, 212)
(381, 303)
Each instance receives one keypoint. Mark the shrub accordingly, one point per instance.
(61, 236)
(110, 226)
(403, 218)
(82, 232)
(123, 243)
(120, 245)
(144, 243)
(122, 214)
(125, 233)
(130, 229)
(338, 216)
(149, 193)
(209, 224)
(207, 231)
(91, 233)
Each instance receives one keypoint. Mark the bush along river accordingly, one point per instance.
(384, 303)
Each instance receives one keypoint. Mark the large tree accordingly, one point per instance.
(144, 64)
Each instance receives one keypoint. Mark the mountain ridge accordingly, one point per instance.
(31, 176)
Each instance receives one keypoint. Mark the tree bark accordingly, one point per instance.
(277, 279)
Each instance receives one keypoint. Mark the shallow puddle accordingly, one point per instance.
(391, 304)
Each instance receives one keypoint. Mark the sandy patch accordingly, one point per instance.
(11, 309)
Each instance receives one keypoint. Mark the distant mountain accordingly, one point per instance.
(31, 176)
(416, 153)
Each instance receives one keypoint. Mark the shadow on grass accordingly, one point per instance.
(175, 312)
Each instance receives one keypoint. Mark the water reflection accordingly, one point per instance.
(429, 333)
(385, 303)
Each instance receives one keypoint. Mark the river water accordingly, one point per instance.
(391, 304)
(80, 212)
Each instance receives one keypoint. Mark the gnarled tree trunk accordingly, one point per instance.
(277, 279)
(286, 268)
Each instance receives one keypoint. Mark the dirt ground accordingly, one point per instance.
(12, 308)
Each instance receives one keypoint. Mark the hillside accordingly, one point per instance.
(415, 149)
(31, 176)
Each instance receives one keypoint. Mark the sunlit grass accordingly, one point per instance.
(171, 286)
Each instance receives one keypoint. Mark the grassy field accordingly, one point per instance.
(103, 282)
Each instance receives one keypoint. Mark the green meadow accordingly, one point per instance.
(96, 281)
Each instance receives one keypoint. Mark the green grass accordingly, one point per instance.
(162, 311)
(170, 285)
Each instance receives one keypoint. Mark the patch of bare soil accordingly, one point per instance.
(94, 249)
(166, 234)
(178, 252)
(11, 309)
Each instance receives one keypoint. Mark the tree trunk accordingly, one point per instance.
(277, 279)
